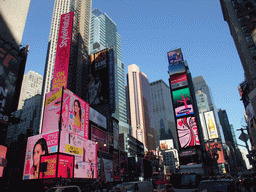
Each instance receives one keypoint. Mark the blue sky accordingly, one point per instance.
(151, 28)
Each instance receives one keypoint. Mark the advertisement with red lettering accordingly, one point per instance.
(60, 75)
(38, 145)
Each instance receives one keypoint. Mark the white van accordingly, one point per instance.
(137, 186)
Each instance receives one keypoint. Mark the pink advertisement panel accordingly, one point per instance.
(60, 75)
(85, 152)
(187, 132)
(66, 166)
(38, 145)
(75, 113)
(101, 137)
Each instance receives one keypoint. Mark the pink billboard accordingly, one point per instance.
(84, 151)
(75, 113)
(187, 132)
(60, 75)
(3, 151)
(38, 145)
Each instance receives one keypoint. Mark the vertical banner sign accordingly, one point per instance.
(60, 75)
(111, 69)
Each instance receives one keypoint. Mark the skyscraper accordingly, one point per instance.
(162, 112)
(140, 107)
(104, 35)
(79, 45)
(14, 14)
(31, 86)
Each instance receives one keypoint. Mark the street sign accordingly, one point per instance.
(244, 137)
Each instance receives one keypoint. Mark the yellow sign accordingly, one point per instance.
(53, 97)
(73, 149)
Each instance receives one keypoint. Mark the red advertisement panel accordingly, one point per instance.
(123, 163)
(51, 162)
(178, 80)
(66, 166)
(60, 75)
(187, 132)
(38, 145)
(216, 151)
(101, 137)
(116, 166)
(75, 113)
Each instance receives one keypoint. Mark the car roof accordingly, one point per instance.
(218, 180)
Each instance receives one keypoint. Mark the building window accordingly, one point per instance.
(244, 29)
(248, 39)
(252, 49)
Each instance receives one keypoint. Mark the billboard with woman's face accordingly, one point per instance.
(75, 113)
(38, 145)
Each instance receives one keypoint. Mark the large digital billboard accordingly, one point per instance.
(101, 88)
(177, 68)
(98, 118)
(3, 151)
(182, 102)
(101, 137)
(106, 167)
(85, 152)
(38, 145)
(123, 163)
(178, 80)
(175, 56)
(166, 144)
(216, 151)
(60, 75)
(75, 113)
(187, 132)
(116, 170)
(211, 125)
(204, 127)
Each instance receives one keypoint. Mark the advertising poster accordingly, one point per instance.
(38, 145)
(204, 128)
(175, 56)
(66, 166)
(84, 151)
(106, 167)
(178, 80)
(98, 118)
(187, 132)
(50, 162)
(123, 163)
(75, 113)
(166, 144)
(116, 166)
(9, 71)
(3, 151)
(182, 102)
(177, 68)
(101, 137)
(211, 125)
(60, 75)
(216, 151)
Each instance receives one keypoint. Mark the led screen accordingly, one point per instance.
(182, 102)
(166, 144)
(101, 137)
(38, 145)
(211, 125)
(75, 113)
(187, 132)
(176, 68)
(106, 167)
(3, 151)
(60, 75)
(216, 151)
(175, 56)
(178, 80)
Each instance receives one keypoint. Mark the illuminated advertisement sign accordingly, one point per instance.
(204, 128)
(123, 163)
(211, 125)
(187, 132)
(178, 80)
(101, 88)
(254, 35)
(177, 68)
(38, 145)
(101, 137)
(51, 166)
(60, 75)
(3, 151)
(85, 152)
(216, 151)
(166, 144)
(182, 102)
(98, 118)
(175, 56)
(106, 167)
(116, 173)
(75, 113)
